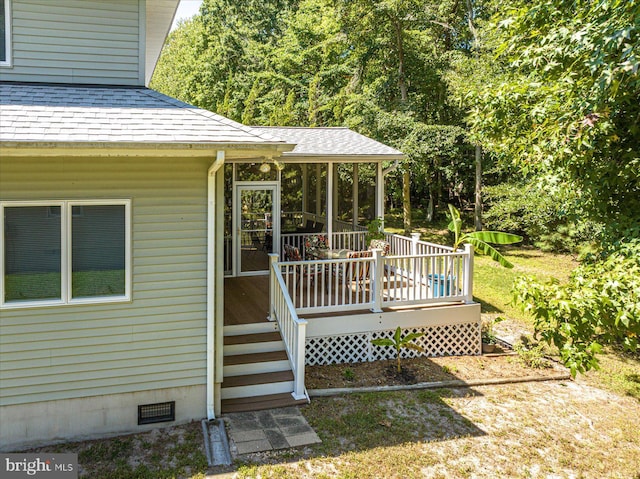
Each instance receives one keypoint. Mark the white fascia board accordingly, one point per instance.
(20, 149)
(317, 158)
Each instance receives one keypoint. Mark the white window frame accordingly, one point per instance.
(7, 34)
(66, 219)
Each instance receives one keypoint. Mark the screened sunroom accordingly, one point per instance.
(332, 185)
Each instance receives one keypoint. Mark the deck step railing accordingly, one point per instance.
(292, 328)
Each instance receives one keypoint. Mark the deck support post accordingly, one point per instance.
(354, 194)
(468, 269)
(300, 349)
(380, 194)
(415, 237)
(331, 195)
(378, 275)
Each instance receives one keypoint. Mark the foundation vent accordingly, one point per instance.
(159, 412)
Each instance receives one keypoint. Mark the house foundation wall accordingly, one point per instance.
(49, 422)
(453, 330)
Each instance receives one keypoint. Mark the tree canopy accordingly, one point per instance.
(377, 66)
(564, 97)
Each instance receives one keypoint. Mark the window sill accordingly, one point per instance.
(97, 301)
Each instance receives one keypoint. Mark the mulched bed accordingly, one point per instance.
(419, 370)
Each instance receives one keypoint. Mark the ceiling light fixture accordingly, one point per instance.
(265, 167)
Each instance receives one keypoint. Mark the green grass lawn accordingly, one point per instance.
(492, 283)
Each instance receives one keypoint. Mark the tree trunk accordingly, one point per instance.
(478, 209)
(406, 201)
(430, 207)
(402, 80)
(478, 189)
(404, 98)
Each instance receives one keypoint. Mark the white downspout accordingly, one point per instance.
(214, 338)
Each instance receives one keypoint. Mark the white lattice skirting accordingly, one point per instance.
(444, 340)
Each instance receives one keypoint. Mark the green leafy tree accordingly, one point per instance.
(564, 98)
(398, 342)
(599, 305)
(377, 66)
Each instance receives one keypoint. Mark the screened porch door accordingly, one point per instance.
(257, 227)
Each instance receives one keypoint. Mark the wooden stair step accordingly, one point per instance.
(253, 379)
(236, 359)
(257, 403)
(252, 338)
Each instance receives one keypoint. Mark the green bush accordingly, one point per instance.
(599, 305)
(546, 215)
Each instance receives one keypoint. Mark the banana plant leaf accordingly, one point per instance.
(495, 237)
(487, 249)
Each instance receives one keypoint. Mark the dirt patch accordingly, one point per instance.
(418, 370)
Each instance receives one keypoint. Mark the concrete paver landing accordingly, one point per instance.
(268, 430)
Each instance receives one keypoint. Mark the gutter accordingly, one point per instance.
(392, 168)
(16, 148)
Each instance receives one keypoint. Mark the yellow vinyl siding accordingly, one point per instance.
(158, 340)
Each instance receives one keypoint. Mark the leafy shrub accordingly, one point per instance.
(547, 215)
(531, 354)
(599, 305)
(348, 374)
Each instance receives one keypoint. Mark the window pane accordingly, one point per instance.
(3, 33)
(98, 251)
(32, 253)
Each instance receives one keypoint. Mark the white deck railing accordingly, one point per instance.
(416, 272)
(423, 279)
(292, 328)
(329, 285)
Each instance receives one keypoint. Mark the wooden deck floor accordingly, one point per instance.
(246, 299)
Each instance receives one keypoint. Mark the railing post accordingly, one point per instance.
(414, 274)
(299, 350)
(415, 237)
(378, 273)
(273, 259)
(468, 271)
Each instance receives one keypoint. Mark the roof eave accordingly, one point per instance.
(19, 148)
(342, 158)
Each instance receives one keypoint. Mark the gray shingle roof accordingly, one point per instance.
(336, 141)
(34, 113)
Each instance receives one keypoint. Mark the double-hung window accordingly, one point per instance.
(5, 32)
(64, 252)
